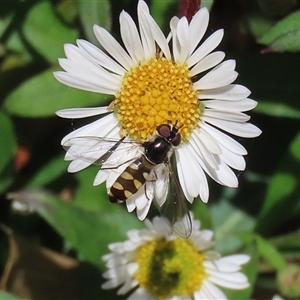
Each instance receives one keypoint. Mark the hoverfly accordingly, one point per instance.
(152, 165)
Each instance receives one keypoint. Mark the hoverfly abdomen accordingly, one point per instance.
(130, 180)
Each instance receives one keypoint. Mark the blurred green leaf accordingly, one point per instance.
(94, 12)
(284, 35)
(42, 95)
(270, 253)
(202, 213)
(48, 173)
(68, 10)
(8, 296)
(163, 11)
(91, 197)
(287, 241)
(258, 24)
(283, 194)
(87, 232)
(45, 32)
(207, 3)
(276, 8)
(228, 223)
(7, 149)
(277, 109)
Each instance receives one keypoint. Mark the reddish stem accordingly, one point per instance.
(188, 8)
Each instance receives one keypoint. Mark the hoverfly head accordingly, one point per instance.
(170, 133)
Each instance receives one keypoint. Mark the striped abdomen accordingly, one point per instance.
(131, 180)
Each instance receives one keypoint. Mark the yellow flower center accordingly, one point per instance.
(157, 91)
(168, 268)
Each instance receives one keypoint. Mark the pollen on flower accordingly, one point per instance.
(170, 267)
(155, 92)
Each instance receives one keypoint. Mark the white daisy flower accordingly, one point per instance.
(155, 80)
(158, 265)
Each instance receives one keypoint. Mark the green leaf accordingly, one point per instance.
(207, 3)
(163, 11)
(229, 222)
(97, 195)
(48, 173)
(46, 33)
(42, 95)
(270, 253)
(94, 12)
(276, 109)
(284, 35)
(287, 241)
(8, 296)
(7, 149)
(276, 8)
(283, 193)
(258, 24)
(87, 232)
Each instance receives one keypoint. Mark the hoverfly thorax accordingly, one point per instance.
(157, 149)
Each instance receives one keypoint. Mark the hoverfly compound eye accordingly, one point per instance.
(170, 133)
(176, 140)
(164, 130)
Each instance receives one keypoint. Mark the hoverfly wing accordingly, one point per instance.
(97, 150)
(172, 202)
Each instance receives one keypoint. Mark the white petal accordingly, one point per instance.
(191, 175)
(145, 31)
(233, 160)
(219, 76)
(223, 175)
(211, 159)
(207, 140)
(140, 293)
(78, 165)
(235, 116)
(212, 291)
(76, 113)
(113, 47)
(208, 62)
(131, 38)
(129, 285)
(142, 214)
(229, 92)
(246, 130)
(198, 26)
(208, 45)
(79, 83)
(157, 35)
(240, 105)
(101, 127)
(239, 259)
(224, 139)
(81, 63)
(175, 43)
(101, 177)
(233, 281)
(100, 57)
(183, 39)
(181, 162)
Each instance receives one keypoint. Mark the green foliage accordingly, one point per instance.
(33, 99)
(284, 35)
(44, 31)
(95, 12)
(7, 150)
(71, 216)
